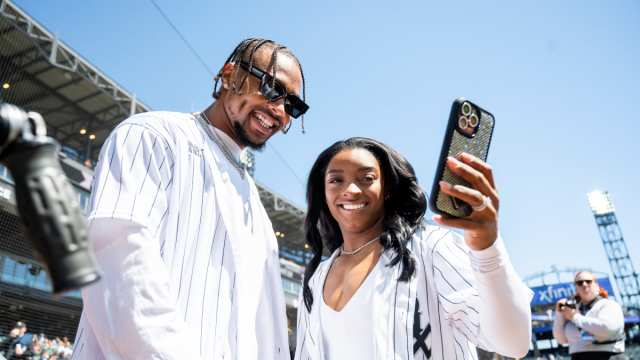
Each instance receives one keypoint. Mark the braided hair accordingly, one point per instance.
(404, 207)
(245, 51)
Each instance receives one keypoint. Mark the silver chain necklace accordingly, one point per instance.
(353, 252)
(213, 135)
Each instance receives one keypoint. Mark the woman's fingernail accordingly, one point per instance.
(445, 185)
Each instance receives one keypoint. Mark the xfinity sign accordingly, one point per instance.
(550, 294)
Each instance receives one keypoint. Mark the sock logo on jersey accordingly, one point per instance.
(420, 335)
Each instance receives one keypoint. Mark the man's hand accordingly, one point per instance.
(20, 350)
(568, 312)
(481, 227)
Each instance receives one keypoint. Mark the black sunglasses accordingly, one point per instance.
(580, 282)
(274, 91)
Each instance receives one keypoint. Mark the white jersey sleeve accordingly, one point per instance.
(482, 296)
(130, 310)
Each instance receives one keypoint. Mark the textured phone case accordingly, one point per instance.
(454, 144)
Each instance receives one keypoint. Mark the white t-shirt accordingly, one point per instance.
(348, 333)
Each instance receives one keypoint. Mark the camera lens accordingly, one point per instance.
(473, 120)
(466, 109)
(463, 122)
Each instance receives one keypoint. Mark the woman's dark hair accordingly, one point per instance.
(404, 207)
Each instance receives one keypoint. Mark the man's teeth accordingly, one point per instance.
(264, 122)
(352, 206)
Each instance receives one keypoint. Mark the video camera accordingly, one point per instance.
(46, 202)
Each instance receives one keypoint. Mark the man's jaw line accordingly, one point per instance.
(242, 139)
(238, 133)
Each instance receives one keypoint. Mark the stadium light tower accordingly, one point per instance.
(626, 278)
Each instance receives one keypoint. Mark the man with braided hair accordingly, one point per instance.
(189, 257)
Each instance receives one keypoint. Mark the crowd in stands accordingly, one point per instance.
(21, 344)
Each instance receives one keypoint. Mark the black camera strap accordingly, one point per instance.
(583, 309)
(607, 342)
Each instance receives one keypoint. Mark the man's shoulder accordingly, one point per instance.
(26, 339)
(159, 120)
(608, 303)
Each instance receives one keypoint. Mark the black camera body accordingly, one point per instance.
(570, 303)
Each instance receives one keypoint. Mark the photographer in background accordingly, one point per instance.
(590, 323)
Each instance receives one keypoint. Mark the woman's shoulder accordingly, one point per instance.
(322, 267)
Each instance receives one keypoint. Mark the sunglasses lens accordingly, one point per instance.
(294, 106)
(293, 112)
(274, 91)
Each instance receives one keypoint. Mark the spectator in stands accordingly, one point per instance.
(396, 287)
(8, 344)
(187, 251)
(21, 346)
(591, 323)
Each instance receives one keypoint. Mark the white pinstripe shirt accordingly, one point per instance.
(188, 253)
(458, 298)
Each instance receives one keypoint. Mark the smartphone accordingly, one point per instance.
(469, 130)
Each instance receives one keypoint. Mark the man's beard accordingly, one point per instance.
(244, 138)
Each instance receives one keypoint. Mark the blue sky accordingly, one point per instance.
(561, 78)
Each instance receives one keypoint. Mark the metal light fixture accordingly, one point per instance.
(600, 202)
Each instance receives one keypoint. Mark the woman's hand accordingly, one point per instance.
(481, 227)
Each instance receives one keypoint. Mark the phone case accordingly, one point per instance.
(455, 142)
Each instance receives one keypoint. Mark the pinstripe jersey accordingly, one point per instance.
(457, 299)
(189, 257)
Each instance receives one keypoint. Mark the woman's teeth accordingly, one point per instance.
(352, 206)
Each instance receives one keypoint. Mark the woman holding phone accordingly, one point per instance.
(393, 286)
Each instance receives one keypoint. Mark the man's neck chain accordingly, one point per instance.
(213, 135)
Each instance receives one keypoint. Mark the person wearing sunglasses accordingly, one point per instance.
(188, 254)
(590, 323)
